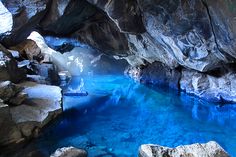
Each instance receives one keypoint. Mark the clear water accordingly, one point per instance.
(119, 115)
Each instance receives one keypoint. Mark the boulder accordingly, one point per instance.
(52, 56)
(38, 109)
(210, 149)
(9, 132)
(29, 50)
(69, 152)
(34, 110)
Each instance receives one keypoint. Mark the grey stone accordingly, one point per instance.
(9, 132)
(210, 149)
(8, 67)
(9, 90)
(156, 73)
(42, 105)
(213, 88)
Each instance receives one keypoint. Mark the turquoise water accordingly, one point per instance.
(119, 115)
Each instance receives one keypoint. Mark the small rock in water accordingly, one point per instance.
(69, 152)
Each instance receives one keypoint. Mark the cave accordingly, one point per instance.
(117, 78)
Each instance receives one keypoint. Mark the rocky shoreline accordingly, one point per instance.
(219, 87)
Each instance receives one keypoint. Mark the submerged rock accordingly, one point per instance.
(69, 152)
(210, 149)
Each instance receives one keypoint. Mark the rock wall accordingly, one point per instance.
(196, 35)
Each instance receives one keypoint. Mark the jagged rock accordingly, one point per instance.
(8, 67)
(156, 73)
(126, 14)
(18, 99)
(39, 108)
(24, 121)
(69, 152)
(26, 16)
(213, 88)
(52, 56)
(210, 149)
(144, 48)
(30, 50)
(9, 132)
(183, 29)
(9, 90)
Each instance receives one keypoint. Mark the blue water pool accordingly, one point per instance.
(119, 115)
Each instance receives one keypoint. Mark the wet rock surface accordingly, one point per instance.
(9, 68)
(32, 110)
(156, 73)
(213, 88)
(69, 152)
(39, 108)
(210, 149)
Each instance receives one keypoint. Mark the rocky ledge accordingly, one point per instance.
(25, 107)
(210, 149)
(23, 121)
